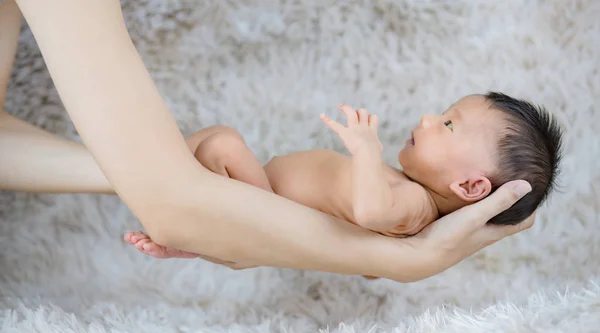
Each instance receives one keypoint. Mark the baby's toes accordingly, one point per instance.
(141, 235)
(130, 238)
(140, 244)
(138, 236)
(127, 237)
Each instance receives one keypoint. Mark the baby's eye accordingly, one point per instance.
(448, 123)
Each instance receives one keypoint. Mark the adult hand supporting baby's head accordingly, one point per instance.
(460, 234)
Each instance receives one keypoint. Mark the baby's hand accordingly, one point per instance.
(360, 133)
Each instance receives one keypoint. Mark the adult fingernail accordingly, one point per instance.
(522, 189)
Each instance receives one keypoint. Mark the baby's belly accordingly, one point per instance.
(317, 179)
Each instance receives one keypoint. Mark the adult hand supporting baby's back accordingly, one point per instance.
(464, 232)
(127, 127)
(443, 243)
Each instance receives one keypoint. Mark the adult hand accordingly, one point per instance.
(127, 127)
(464, 232)
(447, 241)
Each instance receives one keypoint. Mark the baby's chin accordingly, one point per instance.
(400, 157)
(408, 172)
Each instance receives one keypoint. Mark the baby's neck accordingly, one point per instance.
(445, 204)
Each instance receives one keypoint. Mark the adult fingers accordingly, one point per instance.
(479, 213)
(215, 260)
(497, 232)
(233, 265)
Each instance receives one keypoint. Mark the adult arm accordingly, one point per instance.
(30, 164)
(34, 160)
(127, 127)
(10, 24)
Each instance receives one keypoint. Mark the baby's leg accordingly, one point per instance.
(222, 150)
(225, 152)
(144, 244)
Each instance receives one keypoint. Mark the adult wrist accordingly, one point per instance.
(426, 261)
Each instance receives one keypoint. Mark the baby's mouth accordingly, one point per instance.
(412, 138)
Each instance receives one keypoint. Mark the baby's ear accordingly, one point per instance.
(472, 189)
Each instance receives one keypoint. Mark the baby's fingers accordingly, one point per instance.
(350, 113)
(332, 124)
(363, 116)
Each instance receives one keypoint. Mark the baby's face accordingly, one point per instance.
(457, 145)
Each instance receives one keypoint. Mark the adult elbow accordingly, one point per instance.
(161, 204)
(160, 234)
(157, 215)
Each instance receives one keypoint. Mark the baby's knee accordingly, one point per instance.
(220, 145)
(224, 132)
(226, 138)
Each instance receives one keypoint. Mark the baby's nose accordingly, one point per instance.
(426, 121)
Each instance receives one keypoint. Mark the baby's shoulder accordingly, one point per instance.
(408, 188)
(415, 199)
(401, 182)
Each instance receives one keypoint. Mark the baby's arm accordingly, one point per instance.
(373, 201)
(372, 196)
(400, 208)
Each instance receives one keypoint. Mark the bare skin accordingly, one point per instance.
(345, 186)
(10, 22)
(133, 148)
(317, 178)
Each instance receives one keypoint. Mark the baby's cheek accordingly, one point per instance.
(425, 158)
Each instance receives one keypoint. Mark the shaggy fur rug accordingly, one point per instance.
(268, 68)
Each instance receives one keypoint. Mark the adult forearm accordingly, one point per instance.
(111, 99)
(34, 160)
(10, 24)
(246, 224)
(371, 193)
(37, 161)
(127, 127)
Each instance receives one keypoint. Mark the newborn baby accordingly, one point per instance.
(450, 161)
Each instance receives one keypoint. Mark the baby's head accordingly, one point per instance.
(480, 143)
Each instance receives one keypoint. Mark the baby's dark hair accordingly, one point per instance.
(529, 148)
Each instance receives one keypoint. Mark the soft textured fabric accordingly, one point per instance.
(268, 68)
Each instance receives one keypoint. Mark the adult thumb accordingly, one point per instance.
(502, 199)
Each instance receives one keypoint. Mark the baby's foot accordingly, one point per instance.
(144, 244)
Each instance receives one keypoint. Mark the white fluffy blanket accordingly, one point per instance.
(269, 68)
